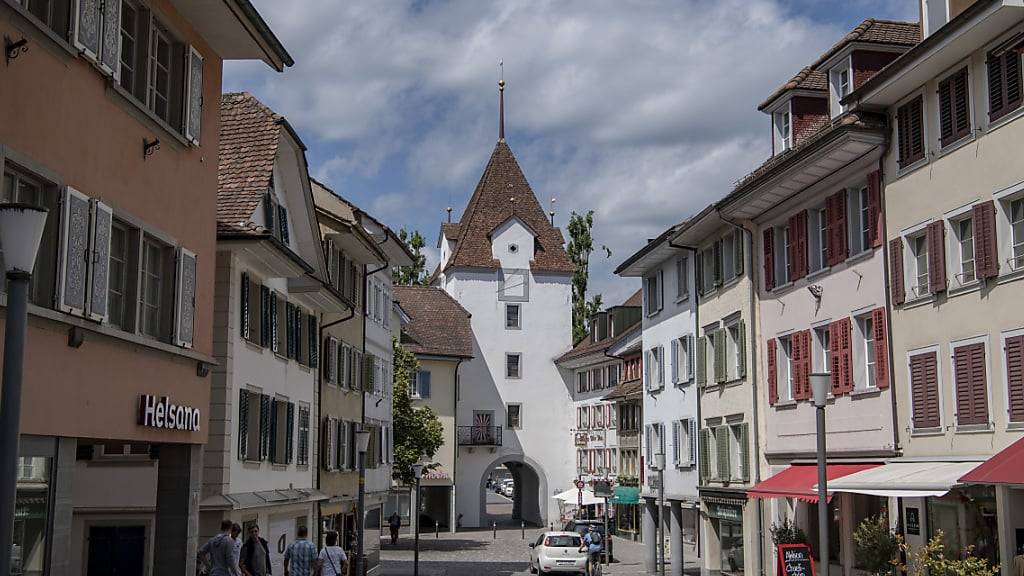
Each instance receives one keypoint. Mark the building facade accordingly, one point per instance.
(628, 400)
(120, 329)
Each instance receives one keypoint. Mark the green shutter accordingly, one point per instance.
(243, 422)
(368, 372)
(745, 451)
(264, 426)
(705, 449)
(738, 250)
(702, 370)
(244, 298)
(722, 450)
(718, 339)
(741, 347)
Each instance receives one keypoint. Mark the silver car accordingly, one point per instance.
(558, 553)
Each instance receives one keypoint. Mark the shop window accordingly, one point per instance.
(117, 550)
(32, 509)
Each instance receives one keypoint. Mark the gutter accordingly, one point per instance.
(265, 33)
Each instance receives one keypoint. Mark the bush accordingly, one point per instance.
(931, 560)
(787, 532)
(876, 545)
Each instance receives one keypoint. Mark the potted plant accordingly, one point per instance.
(877, 546)
(786, 532)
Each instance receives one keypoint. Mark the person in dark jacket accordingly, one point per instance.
(255, 555)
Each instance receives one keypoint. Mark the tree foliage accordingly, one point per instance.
(877, 546)
(581, 244)
(417, 431)
(933, 559)
(786, 532)
(416, 274)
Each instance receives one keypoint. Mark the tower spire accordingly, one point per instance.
(501, 102)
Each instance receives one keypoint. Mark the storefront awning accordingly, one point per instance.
(799, 481)
(626, 495)
(1006, 467)
(905, 479)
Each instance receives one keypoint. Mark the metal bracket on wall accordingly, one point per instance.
(148, 147)
(14, 48)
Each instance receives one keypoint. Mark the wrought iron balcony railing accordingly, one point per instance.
(479, 435)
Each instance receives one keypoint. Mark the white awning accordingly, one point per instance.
(904, 479)
(571, 496)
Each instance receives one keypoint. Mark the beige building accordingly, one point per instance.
(436, 329)
(954, 226)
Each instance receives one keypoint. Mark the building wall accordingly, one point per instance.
(442, 402)
(378, 341)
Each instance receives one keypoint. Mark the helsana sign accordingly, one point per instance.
(160, 412)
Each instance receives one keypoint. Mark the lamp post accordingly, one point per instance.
(21, 231)
(820, 382)
(659, 464)
(362, 444)
(417, 471)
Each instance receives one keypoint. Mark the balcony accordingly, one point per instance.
(479, 435)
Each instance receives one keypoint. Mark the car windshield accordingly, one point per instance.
(562, 541)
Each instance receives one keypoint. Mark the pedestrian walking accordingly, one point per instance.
(218, 554)
(255, 554)
(395, 523)
(300, 556)
(236, 539)
(332, 560)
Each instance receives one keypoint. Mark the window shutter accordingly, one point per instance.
(692, 448)
(661, 367)
(722, 451)
(272, 451)
(243, 316)
(718, 340)
(661, 289)
(424, 384)
(995, 87)
(289, 330)
(243, 423)
(838, 242)
(270, 212)
(99, 274)
(185, 298)
(266, 316)
(74, 260)
(326, 452)
(702, 362)
(835, 330)
(1013, 351)
(698, 266)
(881, 344)
(798, 245)
(282, 223)
(738, 253)
(314, 341)
(796, 363)
(264, 426)
(647, 445)
(875, 208)
(962, 375)
(986, 251)
(110, 60)
(690, 358)
(194, 96)
(961, 105)
(702, 460)
(909, 118)
(946, 131)
(768, 245)
(846, 337)
(773, 375)
(897, 284)
(88, 27)
(1011, 68)
(331, 365)
(367, 366)
(290, 435)
(717, 257)
(744, 452)
(677, 451)
(741, 350)
(979, 384)
(936, 238)
(675, 361)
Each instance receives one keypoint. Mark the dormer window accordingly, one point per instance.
(840, 84)
(783, 121)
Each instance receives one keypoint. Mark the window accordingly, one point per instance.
(682, 443)
(785, 369)
(735, 353)
(866, 338)
(303, 459)
(129, 46)
(159, 89)
(819, 239)
(782, 265)
(613, 375)
(1017, 233)
(153, 304)
(737, 435)
(582, 381)
(840, 86)
(682, 277)
(823, 355)
(970, 381)
(919, 252)
(655, 369)
(512, 317)
(862, 233)
(117, 292)
(54, 14)
(513, 363)
(964, 230)
(250, 443)
(954, 108)
(282, 435)
(682, 361)
(22, 187)
(707, 271)
(654, 442)
(653, 293)
(910, 132)
(421, 384)
(514, 416)
(33, 504)
(783, 130)
(1004, 83)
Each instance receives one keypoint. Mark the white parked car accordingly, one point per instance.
(558, 553)
(509, 490)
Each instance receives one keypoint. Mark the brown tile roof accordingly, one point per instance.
(491, 205)
(439, 324)
(586, 347)
(636, 300)
(627, 389)
(249, 136)
(870, 31)
(450, 230)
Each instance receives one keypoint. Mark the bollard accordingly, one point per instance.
(494, 529)
(551, 527)
(437, 532)
(522, 529)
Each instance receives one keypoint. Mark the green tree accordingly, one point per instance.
(417, 431)
(933, 559)
(877, 546)
(581, 244)
(416, 274)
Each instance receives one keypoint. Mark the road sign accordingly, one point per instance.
(580, 485)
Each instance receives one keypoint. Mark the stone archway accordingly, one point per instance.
(531, 490)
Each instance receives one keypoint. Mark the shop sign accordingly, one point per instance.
(582, 438)
(160, 412)
(913, 516)
(795, 560)
(725, 512)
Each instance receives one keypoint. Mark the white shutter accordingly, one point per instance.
(88, 27)
(693, 442)
(689, 356)
(74, 252)
(661, 366)
(185, 298)
(110, 60)
(661, 289)
(647, 370)
(194, 95)
(675, 361)
(99, 248)
(677, 452)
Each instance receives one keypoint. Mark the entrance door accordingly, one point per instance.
(117, 551)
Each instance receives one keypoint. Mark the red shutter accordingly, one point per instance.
(837, 239)
(979, 384)
(773, 374)
(846, 353)
(962, 381)
(936, 237)
(768, 244)
(1013, 350)
(805, 362)
(881, 344)
(834, 354)
(986, 258)
(798, 245)
(796, 363)
(971, 384)
(924, 390)
(897, 284)
(875, 208)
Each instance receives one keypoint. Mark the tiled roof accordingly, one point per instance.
(587, 347)
(439, 325)
(249, 136)
(450, 230)
(870, 31)
(636, 300)
(491, 205)
(625, 389)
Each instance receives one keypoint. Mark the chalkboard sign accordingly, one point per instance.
(795, 560)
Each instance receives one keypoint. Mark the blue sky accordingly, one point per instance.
(643, 111)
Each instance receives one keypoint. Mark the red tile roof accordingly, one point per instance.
(636, 300)
(625, 390)
(439, 325)
(491, 205)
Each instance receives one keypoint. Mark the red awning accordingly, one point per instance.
(1006, 467)
(798, 481)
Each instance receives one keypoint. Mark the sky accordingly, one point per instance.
(644, 111)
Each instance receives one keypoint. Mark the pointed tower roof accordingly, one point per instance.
(492, 204)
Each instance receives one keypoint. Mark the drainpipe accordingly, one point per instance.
(749, 257)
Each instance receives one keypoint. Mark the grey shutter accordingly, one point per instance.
(661, 367)
(690, 353)
(185, 299)
(314, 341)
(338, 437)
(718, 336)
(264, 426)
(718, 263)
(661, 289)
(194, 96)
(289, 330)
(738, 253)
(331, 363)
(368, 375)
(675, 361)
(282, 223)
(245, 324)
(75, 217)
(677, 448)
(702, 368)
(342, 359)
(722, 452)
(270, 213)
(745, 451)
(272, 451)
(741, 347)
(647, 370)
(88, 27)
(698, 267)
(702, 458)
(99, 275)
(290, 435)
(424, 381)
(110, 59)
(275, 336)
(647, 444)
(266, 318)
(243, 423)
(693, 441)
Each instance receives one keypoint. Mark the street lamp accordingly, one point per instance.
(659, 465)
(21, 231)
(417, 471)
(820, 382)
(362, 445)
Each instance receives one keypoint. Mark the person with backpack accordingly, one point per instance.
(332, 560)
(593, 544)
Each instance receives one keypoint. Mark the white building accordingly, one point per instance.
(506, 265)
(670, 403)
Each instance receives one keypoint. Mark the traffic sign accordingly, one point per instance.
(580, 485)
